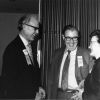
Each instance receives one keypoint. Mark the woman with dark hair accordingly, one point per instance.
(92, 82)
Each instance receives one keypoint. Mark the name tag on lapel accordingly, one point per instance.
(80, 61)
(27, 57)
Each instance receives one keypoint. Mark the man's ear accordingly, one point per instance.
(24, 26)
(63, 37)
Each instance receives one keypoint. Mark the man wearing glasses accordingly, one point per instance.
(69, 67)
(21, 75)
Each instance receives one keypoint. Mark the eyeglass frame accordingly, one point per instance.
(36, 28)
(71, 38)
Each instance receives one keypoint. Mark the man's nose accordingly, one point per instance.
(71, 41)
(37, 31)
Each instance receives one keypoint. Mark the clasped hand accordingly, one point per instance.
(78, 94)
(41, 94)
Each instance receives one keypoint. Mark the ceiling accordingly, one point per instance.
(19, 6)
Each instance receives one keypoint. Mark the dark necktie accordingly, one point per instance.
(64, 82)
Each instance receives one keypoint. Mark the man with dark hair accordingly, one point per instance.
(69, 67)
(21, 75)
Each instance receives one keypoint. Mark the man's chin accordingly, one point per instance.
(72, 48)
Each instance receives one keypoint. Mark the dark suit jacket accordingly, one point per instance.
(92, 83)
(19, 80)
(53, 74)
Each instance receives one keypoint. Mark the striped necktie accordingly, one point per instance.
(29, 48)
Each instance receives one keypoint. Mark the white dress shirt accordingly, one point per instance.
(72, 83)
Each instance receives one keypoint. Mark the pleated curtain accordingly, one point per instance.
(54, 15)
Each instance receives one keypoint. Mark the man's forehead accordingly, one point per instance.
(71, 33)
(33, 21)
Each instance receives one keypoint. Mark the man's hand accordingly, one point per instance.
(81, 85)
(41, 94)
(77, 95)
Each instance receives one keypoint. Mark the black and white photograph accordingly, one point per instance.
(50, 49)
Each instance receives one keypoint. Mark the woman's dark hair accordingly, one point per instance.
(95, 33)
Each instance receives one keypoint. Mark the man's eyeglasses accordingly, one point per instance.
(71, 38)
(36, 28)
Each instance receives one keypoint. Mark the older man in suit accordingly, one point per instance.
(69, 67)
(21, 75)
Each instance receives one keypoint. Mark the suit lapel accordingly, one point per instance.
(21, 47)
(59, 64)
(19, 43)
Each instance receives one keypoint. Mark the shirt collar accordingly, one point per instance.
(74, 51)
(23, 40)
